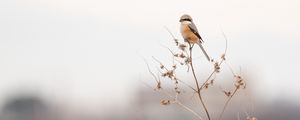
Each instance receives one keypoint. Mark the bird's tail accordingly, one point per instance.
(206, 55)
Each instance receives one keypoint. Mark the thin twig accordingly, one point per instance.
(226, 44)
(207, 79)
(160, 63)
(188, 109)
(170, 32)
(173, 54)
(173, 63)
(149, 70)
(226, 104)
(211, 74)
(231, 69)
(180, 104)
(222, 60)
(198, 87)
(187, 85)
(238, 116)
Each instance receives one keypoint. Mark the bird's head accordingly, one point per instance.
(185, 17)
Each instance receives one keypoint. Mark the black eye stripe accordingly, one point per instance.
(186, 19)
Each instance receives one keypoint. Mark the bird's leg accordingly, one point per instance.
(191, 46)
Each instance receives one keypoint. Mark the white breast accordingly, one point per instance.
(183, 25)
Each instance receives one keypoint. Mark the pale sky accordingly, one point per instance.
(88, 50)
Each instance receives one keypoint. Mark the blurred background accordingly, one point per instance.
(82, 59)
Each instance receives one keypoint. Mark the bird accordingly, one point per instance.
(190, 33)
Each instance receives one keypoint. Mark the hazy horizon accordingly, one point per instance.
(90, 51)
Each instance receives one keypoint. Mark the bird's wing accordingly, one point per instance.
(193, 28)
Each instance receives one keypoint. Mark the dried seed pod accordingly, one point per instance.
(223, 57)
(174, 66)
(165, 102)
(162, 66)
(176, 55)
(217, 67)
(182, 47)
(158, 86)
(212, 82)
(176, 42)
(227, 93)
(182, 55)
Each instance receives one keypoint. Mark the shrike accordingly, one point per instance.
(190, 33)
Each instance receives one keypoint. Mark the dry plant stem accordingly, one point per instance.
(226, 104)
(198, 87)
(179, 79)
(167, 70)
(149, 70)
(181, 105)
(231, 70)
(188, 109)
(211, 74)
(225, 51)
(168, 94)
(187, 85)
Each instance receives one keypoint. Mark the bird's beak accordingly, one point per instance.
(180, 20)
